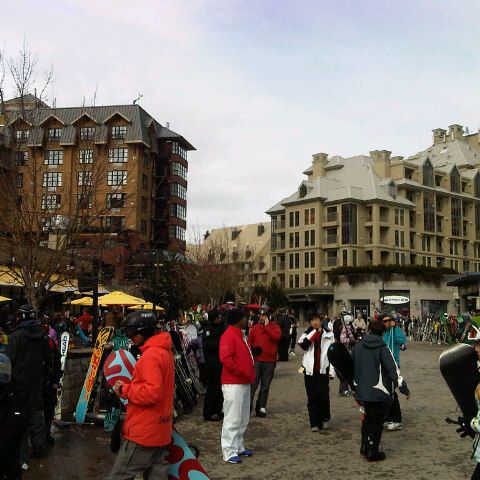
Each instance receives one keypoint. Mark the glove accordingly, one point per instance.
(464, 428)
(403, 347)
(404, 389)
(256, 351)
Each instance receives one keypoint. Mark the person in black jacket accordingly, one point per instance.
(376, 377)
(213, 401)
(14, 415)
(28, 351)
(285, 323)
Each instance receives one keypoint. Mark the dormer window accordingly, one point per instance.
(428, 174)
(86, 133)
(303, 190)
(455, 183)
(119, 132)
(392, 190)
(54, 134)
(477, 185)
(22, 135)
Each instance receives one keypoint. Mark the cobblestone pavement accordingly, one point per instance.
(427, 448)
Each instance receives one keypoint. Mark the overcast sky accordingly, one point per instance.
(259, 86)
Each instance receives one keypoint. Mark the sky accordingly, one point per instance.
(259, 86)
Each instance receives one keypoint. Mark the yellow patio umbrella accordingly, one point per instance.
(120, 298)
(146, 306)
(5, 299)
(85, 301)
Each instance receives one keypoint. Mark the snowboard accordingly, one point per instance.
(341, 359)
(64, 339)
(458, 366)
(82, 405)
(184, 465)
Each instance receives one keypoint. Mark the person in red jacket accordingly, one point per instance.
(85, 321)
(263, 340)
(237, 376)
(148, 425)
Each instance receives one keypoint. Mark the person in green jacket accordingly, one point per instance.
(395, 340)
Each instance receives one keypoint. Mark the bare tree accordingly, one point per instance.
(44, 215)
(220, 268)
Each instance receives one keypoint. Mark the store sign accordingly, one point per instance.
(395, 299)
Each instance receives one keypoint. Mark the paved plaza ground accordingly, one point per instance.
(285, 448)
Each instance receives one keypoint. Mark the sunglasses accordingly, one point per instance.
(387, 320)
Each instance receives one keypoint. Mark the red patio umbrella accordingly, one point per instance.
(253, 306)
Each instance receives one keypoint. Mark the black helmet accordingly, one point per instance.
(27, 312)
(141, 322)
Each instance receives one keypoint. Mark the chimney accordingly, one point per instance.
(455, 131)
(381, 162)
(319, 161)
(439, 135)
(260, 229)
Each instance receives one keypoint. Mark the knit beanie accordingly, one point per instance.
(234, 316)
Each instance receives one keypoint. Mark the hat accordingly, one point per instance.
(234, 316)
(5, 369)
(263, 311)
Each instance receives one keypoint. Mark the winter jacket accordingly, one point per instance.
(306, 343)
(150, 394)
(347, 337)
(284, 322)
(28, 350)
(236, 358)
(266, 338)
(211, 343)
(394, 338)
(376, 374)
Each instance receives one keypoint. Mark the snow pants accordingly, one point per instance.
(133, 459)
(236, 411)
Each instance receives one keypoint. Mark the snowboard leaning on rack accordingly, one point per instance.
(64, 341)
(102, 338)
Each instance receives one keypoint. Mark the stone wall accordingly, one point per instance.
(78, 360)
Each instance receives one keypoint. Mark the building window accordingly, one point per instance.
(87, 133)
(52, 179)
(331, 214)
(117, 177)
(399, 216)
(354, 258)
(178, 211)
(116, 200)
(54, 134)
(144, 182)
(428, 174)
(331, 258)
(179, 170)
(294, 219)
(144, 204)
(119, 132)
(477, 222)
(84, 178)
(344, 258)
(309, 259)
(349, 223)
(114, 222)
(50, 202)
(84, 200)
(19, 180)
(21, 159)
(294, 261)
(400, 238)
(118, 155)
(476, 186)
(429, 212)
(177, 232)
(456, 217)
(85, 156)
(53, 157)
(178, 149)
(143, 227)
(455, 183)
(307, 216)
(22, 135)
(178, 190)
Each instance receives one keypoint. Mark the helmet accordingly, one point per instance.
(27, 312)
(141, 322)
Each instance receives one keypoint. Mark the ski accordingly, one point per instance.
(64, 341)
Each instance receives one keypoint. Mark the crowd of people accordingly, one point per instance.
(236, 352)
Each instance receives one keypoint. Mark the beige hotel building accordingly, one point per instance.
(379, 209)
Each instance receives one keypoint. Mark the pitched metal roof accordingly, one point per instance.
(139, 121)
